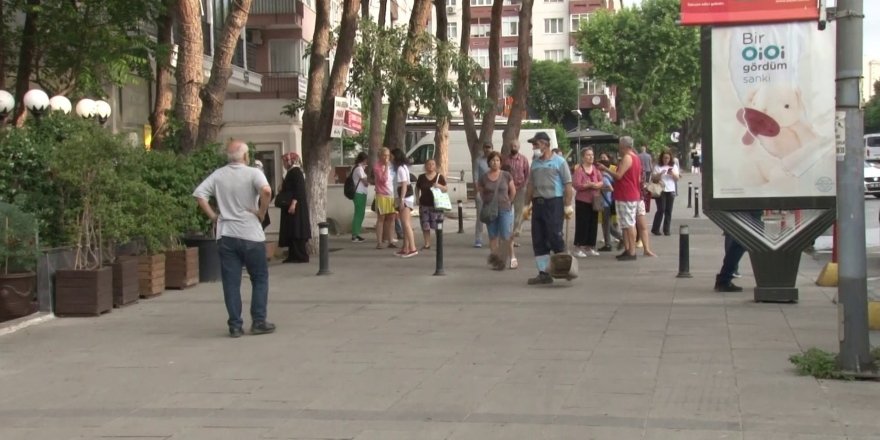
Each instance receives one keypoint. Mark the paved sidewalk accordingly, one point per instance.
(383, 350)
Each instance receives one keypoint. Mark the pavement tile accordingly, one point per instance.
(583, 401)
(691, 434)
(518, 398)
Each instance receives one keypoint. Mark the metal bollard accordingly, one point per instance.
(460, 218)
(690, 194)
(684, 249)
(323, 248)
(696, 202)
(439, 270)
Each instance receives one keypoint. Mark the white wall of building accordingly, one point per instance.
(871, 74)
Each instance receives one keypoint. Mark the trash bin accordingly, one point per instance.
(209, 258)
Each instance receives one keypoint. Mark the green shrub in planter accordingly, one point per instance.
(89, 173)
(18, 240)
(18, 257)
(26, 178)
(177, 176)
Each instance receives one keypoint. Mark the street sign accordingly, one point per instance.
(339, 109)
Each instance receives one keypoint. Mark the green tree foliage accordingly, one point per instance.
(872, 111)
(553, 89)
(653, 61)
(82, 45)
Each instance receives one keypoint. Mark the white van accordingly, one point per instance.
(872, 147)
(460, 166)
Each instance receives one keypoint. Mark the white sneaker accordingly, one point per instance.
(593, 252)
(579, 253)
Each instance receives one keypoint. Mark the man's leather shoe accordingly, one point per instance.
(262, 328)
(727, 287)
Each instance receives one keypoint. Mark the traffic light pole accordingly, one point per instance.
(852, 288)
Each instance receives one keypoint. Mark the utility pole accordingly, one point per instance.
(852, 297)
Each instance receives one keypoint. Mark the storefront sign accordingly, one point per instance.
(695, 12)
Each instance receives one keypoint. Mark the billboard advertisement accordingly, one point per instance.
(773, 111)
(695, 12)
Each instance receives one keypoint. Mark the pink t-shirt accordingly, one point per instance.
(383, 183)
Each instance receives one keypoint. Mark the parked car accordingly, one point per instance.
(872, 179)
(872, 147)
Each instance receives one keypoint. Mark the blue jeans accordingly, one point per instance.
(733, 252)
(235, 253)
(502, 227)
(547, 219)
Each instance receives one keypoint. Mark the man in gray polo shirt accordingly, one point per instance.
(241, 240)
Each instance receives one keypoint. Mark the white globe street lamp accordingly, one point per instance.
(60, 103)
(102, 111)
(85, 108)
(36, 101)
(7, 103)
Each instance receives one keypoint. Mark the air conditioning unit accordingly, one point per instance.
(450, 10)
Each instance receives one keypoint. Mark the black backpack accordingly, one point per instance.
(349, 188)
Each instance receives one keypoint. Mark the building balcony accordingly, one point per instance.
(276, 14)
(277, 85)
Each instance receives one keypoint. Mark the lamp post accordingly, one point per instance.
(85, 108)
(60, 103)
(37, 102)
(577, 113)
(7, 103)
(102, 111)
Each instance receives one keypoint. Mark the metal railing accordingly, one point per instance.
(273, 7)
(280, 83)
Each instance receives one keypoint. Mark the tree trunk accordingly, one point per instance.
(467, 104)
(26, 56)
(523, 71)
(318, 113)
(395, 131)
(488, 126)
(441, 133)
(189, 72)
(214, 94)
(376, 100)
(164, 96)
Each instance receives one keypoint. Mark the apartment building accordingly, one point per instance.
(871, 74)
(554, 27)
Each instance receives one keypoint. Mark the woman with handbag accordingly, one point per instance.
(429, 215)
(295, 230)
(497, 191)
(587, 181)
(667, 174)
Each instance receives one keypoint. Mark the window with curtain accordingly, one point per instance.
(509, 26)
(553, 26)
(481, 56)
(285, 57)
(508, 56)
